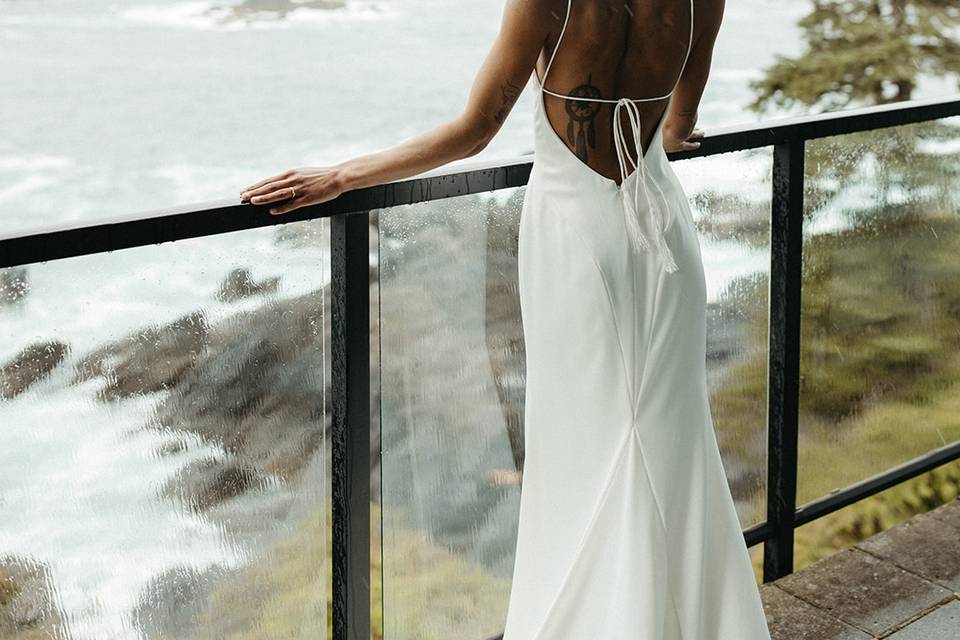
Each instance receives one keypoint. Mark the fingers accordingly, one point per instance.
(270, 187)
(692, 143)
(276, 178)
(683, 145)
(286, 207)
(283, 193)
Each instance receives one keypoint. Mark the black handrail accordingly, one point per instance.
(350, 348)
(225, 216)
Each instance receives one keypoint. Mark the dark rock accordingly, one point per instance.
(208, 482)
(28, 606)
(239, 285)
(256, 391)
(29, 366)
(172, 601)
(150, 360)
(253, 386)
(14, 285)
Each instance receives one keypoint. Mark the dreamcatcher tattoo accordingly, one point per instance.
(583, 113)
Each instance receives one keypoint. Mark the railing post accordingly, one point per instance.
(350, 438)
(783, 368)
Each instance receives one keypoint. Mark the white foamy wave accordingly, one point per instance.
(237, 16)
(23, 187)
(33, 163)
(197, 182)
(30, 174)
(108, 468)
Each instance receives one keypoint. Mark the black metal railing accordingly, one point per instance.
(350, 345)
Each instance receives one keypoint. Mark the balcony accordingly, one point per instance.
(181, 430)
(901, 584)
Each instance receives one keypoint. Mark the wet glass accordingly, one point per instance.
(731, 209)
(163, 421)
(880, 345)
(452, 382)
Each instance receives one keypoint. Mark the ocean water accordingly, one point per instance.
(113, 108)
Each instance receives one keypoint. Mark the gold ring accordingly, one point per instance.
(293, 192)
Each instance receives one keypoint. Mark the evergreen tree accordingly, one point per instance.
(864, 51)
(868, 52)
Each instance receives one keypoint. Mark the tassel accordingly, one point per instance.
(634, 233)
(669, 263)
(637, 239)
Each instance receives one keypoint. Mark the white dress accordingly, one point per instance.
(627, 528)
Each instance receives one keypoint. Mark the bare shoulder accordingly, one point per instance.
(709, 15)
(536, 15)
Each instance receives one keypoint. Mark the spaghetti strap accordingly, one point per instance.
(632, 207)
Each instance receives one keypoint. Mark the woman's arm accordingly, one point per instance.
(679, 133)
(498, 84)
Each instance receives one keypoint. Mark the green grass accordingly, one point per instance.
(880, 372)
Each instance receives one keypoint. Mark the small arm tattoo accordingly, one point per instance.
(510, 94)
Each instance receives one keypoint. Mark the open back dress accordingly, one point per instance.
(627, 527)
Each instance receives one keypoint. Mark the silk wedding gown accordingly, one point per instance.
(627, 528)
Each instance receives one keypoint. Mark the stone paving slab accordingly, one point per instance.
(921, 545)
(941, 624)
(949, 513)
(790, 618)
(864, 591)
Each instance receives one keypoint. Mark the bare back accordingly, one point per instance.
(615, 49)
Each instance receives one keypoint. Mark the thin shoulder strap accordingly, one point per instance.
(689, 49)
(556, 48)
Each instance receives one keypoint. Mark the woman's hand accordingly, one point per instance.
(295, 188)
(681, 134)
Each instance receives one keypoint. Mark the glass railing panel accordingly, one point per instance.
(163, 415)
(731, 200)
(452, 391)
(880, 364)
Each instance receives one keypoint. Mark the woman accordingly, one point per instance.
(627, 527)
